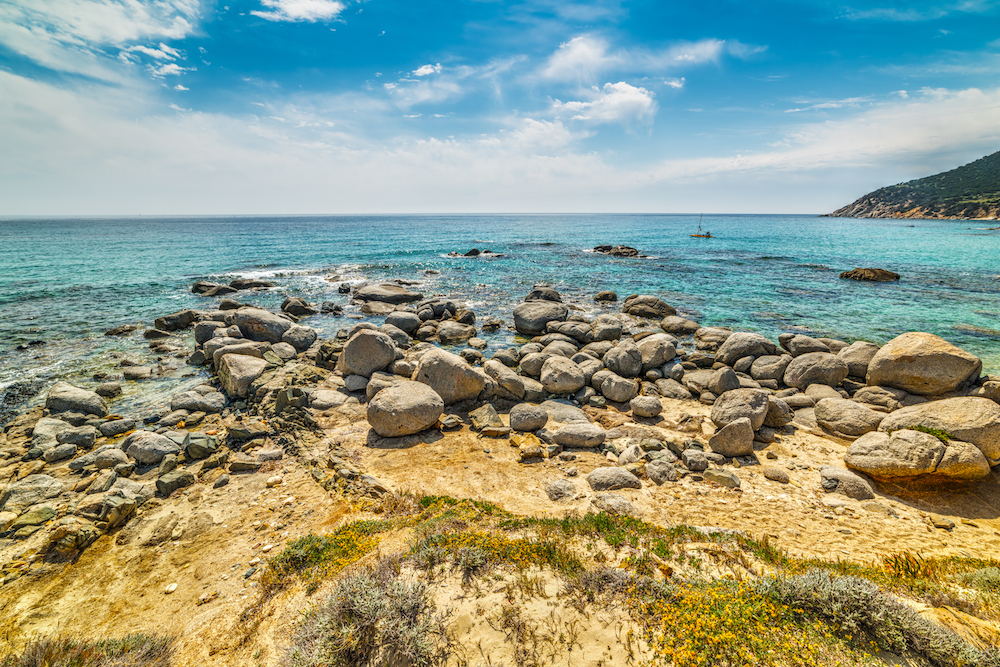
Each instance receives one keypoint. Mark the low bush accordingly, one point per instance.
(136, 650)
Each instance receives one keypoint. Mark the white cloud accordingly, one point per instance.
(853, 102)
(300, 10)
(170, 69)
(180, 87)
(164, 52)
(913, 14)
(586, 57)
(614, 103)
(675, 83)
(426, 70)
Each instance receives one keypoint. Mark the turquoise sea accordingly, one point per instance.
(66, 281)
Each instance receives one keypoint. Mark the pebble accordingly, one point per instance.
(253, 561)
(274, 481)
(266, 548)
(170, 589)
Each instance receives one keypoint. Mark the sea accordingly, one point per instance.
(65, 281)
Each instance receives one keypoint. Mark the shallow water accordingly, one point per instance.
(66, 281)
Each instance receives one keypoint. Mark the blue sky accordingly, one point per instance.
(340, 106)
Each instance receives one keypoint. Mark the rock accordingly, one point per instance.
(405, 321)
(625, 359)
(237, 372)
(202, 446)
(298, 306)
(815, 367)
(116, 427)
(451, 332)
(845, 482)
(527, 417)
(108, 389)
(565, 412)
(606, 328)
(260, 325)
(221, 481)
(775, 474)
(560, 489)
(450, 376)
(632, 454)
(367, 352)
(969, 419)
(532, 317)
(117, 510)
(404, 409)
(177, 321)
(743, 344)
(149, 448)
(193, 401)
(579, 435)
(486, 421)
(36, 516)
(606, 296)
(723, 380)
(870, 275)
(750, 403)
(889, 398)
(857, 356)
(204, 331)
(818, 392)
(617, 251)
(846, 418)
(561, 376)
(733, 439)
(172, 481)
(612, 503)
(505, 377)
(29, 491)
(64, 397)
(618, 389)
(656, 350)
(387, 293)
(645, 406)
(299, 337)
(660, 471)
(694, 460)
(908, 454)
(779, 414)
(669, 388)
(578, 331)
(722, 478)
(81, 436)
(770, 367)
(647, 306)
(59, 452)
(611, 478)
(46, 432)
(678, 326)
(243, 463)
(797, 401)
(922, 363)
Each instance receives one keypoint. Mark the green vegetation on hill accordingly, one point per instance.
(970, 191)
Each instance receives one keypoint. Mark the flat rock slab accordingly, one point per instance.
(611, 478)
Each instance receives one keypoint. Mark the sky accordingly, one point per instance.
(176, 107)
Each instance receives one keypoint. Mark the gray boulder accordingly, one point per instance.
(579, 435)
(645, 406)
(606, 328)
(847, 418)
(299, 337)
(565, 412)
(743, 344)
(779, 413)
(532, 317)
(669, 388)
(722, 478)
(723, 380)
(561, 376)
(625, 359)
(64, 397)
(527, 417)
(449, 376)
(770, 367)
(679, 326)
(618, 389)
(59, 452)
(366, 352)
(29, 491)
(799, 344)
(749, 403)
(387, 293)
(969, 419)
(889, 398)
(560, 489)
(149, 448)
(815, 368)
(922, 363)
(451, 332)
(845, 482)
(46, 432)
(82, 436)
(733, 439)
(404, 409)
(656, 350)
(193, 401)
(261, 325)
(612, 503)
(405, 321)
(857, 356)
(660, 471)
(647, 306)
(237, 372)
(505, 377)
(911, 454)
(611, 478)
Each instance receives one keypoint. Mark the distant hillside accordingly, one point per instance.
(972, 191)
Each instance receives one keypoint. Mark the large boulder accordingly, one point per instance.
(815, 368)
(733, 439)
(770, 367)
(609, 479)
(679, 326)
(261, 325)
(64, 397)
(656, 350)
(532, 317)
(857, 356)
(648, 306)
(449, 375)
(506, 378)
(779, 413)
(237, 372)
(561, 376)
(969, 419)
(749, 403)
(889, 398)
(912, 454)
(193, 401)
(801, 344)
(176, 321)
(618, 389)
(29, 491)
(366, 352)
(625, 359)
(149, 448)
(46, 432)
(299, 337)
(526, 417)
(451, 332)
(404, 409)
(847, 418)
(840, 480)
(743, 344)
(579, 435)
(389, 293)
(404, 320)
(922, 363)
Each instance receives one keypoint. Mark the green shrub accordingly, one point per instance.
(137, 650)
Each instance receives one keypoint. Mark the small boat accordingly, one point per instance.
(700, 234)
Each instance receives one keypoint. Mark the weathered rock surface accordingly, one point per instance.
(527, 417)
(733, 439)
(857, 356)
(29, 491)
(237, 372)
(611, 478)
(815, 368)
(908, 454)
(449, 375)
(645, 406)
(149, 448)
(193, 401)
(388, 293)
(922, 363)
(624, 359)
(647, 306)
(847, 418)
(749, 403)
(531, 317)
(969, 419)
(845, 482)
(366, 352)
(561, 376)
(579, 435)
(261, 325)
(404, 409)
(743, 344)
(64, 397)
(870, 275)
(618, 389)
